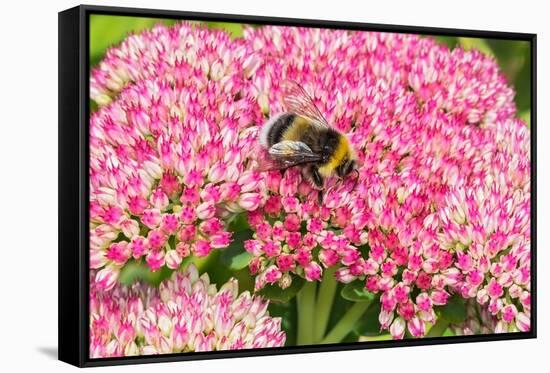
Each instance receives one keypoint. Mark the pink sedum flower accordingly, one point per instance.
(415, 135)
(186, 313)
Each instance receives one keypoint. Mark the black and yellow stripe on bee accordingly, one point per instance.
(288, 127)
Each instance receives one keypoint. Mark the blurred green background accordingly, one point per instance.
(514, 57)
(106, 30)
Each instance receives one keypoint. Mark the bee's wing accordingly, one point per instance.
(287, 154)
(293, 149)
(298, 101)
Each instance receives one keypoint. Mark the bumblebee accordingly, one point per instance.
(302, 137)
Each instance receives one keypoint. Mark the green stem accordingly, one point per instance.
(325, 297)
(346, 323)
(306, 313)
(438, 328)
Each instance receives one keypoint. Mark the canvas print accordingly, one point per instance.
(256, 186)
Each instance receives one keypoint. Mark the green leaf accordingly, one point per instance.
(351, 337)
(364, 250)
(448, 333)
(275, 294)
(369, 325)
(135, 270)
(238, 222)
(439, 328)
(454, 311)
(235, 257)
(377, 337)
(289, 319)
(355, 291)
(339, 307)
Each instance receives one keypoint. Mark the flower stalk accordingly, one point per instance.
(323, 305)
(346, 323)
(306, 313)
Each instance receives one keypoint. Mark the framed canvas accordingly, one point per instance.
(233, 186)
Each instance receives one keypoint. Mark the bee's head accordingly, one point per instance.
(328, 143)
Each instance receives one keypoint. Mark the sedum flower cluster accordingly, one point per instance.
(186, 313)
(441, 205)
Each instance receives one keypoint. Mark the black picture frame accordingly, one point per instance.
(73, 75)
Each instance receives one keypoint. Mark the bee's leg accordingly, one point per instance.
(319, 182)
(316, 176)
